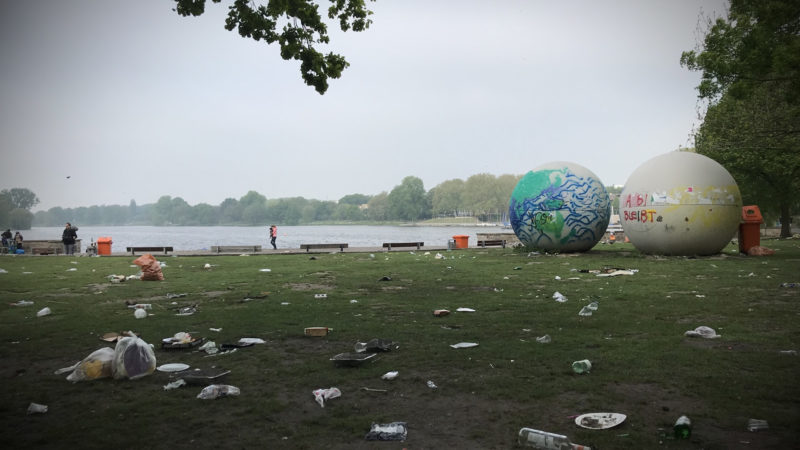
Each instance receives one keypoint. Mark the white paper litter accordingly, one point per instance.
(703, 332)
(464, 345)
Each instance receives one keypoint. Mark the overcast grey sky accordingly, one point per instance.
(132, 101)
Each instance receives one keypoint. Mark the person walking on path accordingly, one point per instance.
(68, 239)
(273, 235)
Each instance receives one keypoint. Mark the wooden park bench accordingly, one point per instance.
(308, 247)
(492, 243)
(389, 245)
(235, 248)
(133, 250)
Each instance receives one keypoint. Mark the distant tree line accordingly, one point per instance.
(15, 208)
(483, 196)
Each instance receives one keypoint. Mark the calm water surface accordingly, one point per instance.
(200, 238)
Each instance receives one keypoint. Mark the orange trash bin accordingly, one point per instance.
(461, 240)
(104, 246)
(750, 228)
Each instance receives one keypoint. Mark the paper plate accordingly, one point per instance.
(173, 367)
(599, 421)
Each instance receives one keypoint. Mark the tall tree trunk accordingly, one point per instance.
(786, 217)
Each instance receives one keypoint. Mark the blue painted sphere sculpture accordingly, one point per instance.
(680, 203)
(560, 207)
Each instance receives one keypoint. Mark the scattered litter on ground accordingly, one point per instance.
(218, 391)
(203, 377)
(72, 269)
(385, 278)
(320, 295)
(757, 425)
(465, 310)
(95, 366)
(22, 303)
(588, 309)
(114, 337)
(375, 345)
(431, 384)
(3, 271)
(439, 256)
(171, 296)
(215, 329)
(265, 270)
(251, 341)
(352, 359)
(395, 431)
(133, 358)
(790, 285)
(788, 352)
(464, 345)
(374, 390)
(140, 306)
(187, 310)
(284, 303)
(546, 339)
(617, 273)
(36, 408)
(582, 366)
(559, 297)
(758, 250)
(390, 375)
(317, 331)
(703, 332)
(172, 367)
(181, 340)
(557, 277)
(599, 421)
(116, 278)
(175, 384)
(353, 301)
(151, 269)
(320, 395)
(44, 312)
(210, 347)
(140, 313)
(441, 312)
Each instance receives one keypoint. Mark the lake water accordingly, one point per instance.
(202, 238)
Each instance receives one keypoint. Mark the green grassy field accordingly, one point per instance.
(643, 365)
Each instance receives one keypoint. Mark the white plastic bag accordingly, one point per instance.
(133, 358)
(96, 365)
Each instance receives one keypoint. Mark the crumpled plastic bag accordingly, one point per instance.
(395, 431)
(133, 359)
(703, 332)
(151, 269)
(760, 251)
(95, 366)
(320, 395)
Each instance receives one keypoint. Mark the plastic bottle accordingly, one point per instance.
(682, 427)
(543, 440)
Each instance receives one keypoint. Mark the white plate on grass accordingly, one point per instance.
(172, 367)
(599, 421)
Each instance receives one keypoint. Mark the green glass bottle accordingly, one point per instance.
(683, 427)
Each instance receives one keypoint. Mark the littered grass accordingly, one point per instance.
(643, 366)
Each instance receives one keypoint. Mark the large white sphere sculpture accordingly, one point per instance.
(680, 203)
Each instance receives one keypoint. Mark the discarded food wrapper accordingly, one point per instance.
(559, 297)
(395, 431)
(172, 367)
(390, 375)
(251, 341)
(209, 347)
(465, 310)
(464, 345)
(141, 306)
(431, 384)
(441, 312)
(317, 331)
(546, 339)
(320, 395)
(218, 391)
(617, 272)
(215, 329)
(22, 303)
(582, 366)
(703, 332)
(599, 421)
(35, 408)
(44, 312)
(757, 425)
(175, 384)
(588, 309)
